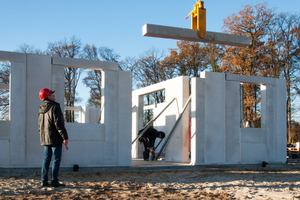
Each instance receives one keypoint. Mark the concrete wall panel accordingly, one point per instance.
(124, 118)
(4, 152)
(271, 118)
(85, 132)
(175, 88)
(84, 153)
(232, 111)
(5, 130)
(137, 124)
(254, 153)
(280, 127)
(177, 149)
(215, 117)
(253, 135)
(198, 121)
(38, 77)
(172, 152)
(29, 74)
(110, 119)
(216, 136)
(221, 127)
(18, 109)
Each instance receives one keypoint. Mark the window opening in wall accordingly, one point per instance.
(82, 95)
(71, 78)
(148, 116)
(76, 112)
(250, 106)
(151, 100)
(154, 98)
(4, 90)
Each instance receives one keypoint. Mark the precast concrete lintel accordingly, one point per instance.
(87, 64)
(152, 30)
(7, 56)
(250, 79)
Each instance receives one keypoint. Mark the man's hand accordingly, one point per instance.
(66, 144)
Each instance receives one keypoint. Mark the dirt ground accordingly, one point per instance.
(177, 184)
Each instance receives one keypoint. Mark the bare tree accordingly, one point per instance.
(4, 94)
(69, 49)
(108, 54)
(93, 78)
(289, 26)
(26, 48)
(148, 70)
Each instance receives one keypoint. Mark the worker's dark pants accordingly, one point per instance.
(48, 152)
(146, 147)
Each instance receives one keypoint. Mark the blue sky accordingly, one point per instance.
(112, 23)
(116, 24)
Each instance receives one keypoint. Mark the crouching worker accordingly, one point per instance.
(148, 139)
(52, 135)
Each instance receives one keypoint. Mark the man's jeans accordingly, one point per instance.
(48, 151)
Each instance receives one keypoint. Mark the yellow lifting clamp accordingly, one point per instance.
(199, 18)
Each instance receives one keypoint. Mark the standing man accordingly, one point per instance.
(148, 139)
(52, 135)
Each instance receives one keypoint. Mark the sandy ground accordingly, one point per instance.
(180, 184)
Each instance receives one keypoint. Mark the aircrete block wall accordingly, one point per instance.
(178, 88)
(217, 137)
(107, 143)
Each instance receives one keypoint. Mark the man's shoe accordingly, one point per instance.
(45, 184)
(59, 185)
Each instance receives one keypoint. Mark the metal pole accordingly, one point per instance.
(171, 132)
(151, 122)
(159, 143)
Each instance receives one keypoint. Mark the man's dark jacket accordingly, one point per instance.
(51, 124)
(151, 134)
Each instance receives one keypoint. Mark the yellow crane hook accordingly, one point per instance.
(198, 15)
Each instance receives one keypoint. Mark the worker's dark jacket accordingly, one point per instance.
(151, 134)
(51, 124)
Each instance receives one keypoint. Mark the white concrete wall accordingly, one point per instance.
(4, 142)
(107, 143)
(216, 134)
(177, 149)
(116, 99)
(160, 123)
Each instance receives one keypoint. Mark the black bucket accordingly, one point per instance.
(264, 164)
(75, 168)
